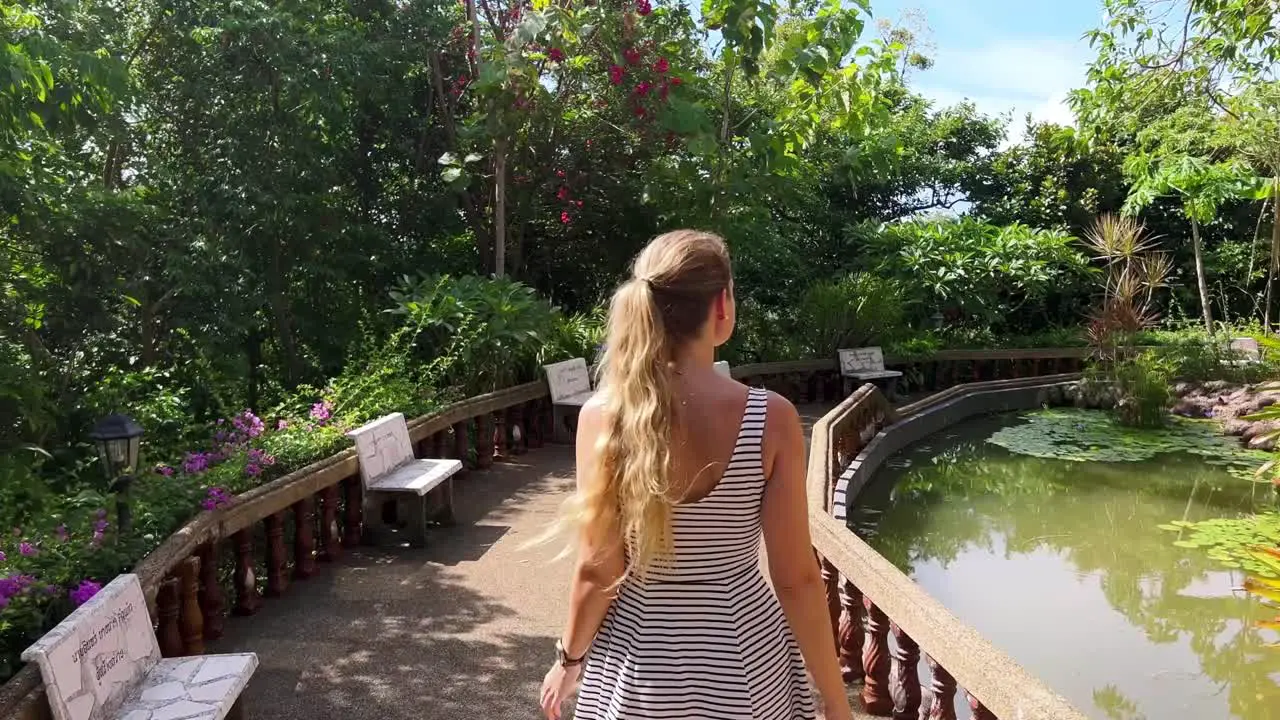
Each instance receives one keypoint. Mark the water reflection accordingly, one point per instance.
(1062, 566)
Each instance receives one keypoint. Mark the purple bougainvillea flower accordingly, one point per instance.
(321, 411)
(27, 549)
(84, 591)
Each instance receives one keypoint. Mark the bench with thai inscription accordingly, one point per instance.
(390, 473)
(569, 383)
(103, 663)
(1244, 351)
(866, 364)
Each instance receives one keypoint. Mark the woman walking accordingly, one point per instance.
(681, 471)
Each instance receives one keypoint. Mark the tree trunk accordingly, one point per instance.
(500, 207)
(282, 313)
(1275, 256)
(1200, 280)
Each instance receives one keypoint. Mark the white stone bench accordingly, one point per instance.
(722, 367)
(569, 383)
(103, 663)
(1244, 351)
(390, 472)
(867, 365)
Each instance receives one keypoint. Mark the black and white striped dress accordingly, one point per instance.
(704, 635)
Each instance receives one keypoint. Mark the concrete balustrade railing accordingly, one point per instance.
(282, 532)
(871, 601)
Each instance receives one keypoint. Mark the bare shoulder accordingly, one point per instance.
(783, 415)
(591, 413)
(782, 432)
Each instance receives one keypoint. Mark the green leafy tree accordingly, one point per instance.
(1202, 186)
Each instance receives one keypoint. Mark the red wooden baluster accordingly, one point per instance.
(212, 603)
(1037, 367)
(277, 562)
(904, 680)
(547, 414)
(851, 633)
(977, 711)
(437, 445)
(304, 539)
(191, 617)
(500, 429)
(831, 581)
(168, 608)
(875, 662)
(484, 441)
(247, 599)
(942, 696)
(330, 547)
(353, 517)
(517, 434)
(461, 442)
(532, 425)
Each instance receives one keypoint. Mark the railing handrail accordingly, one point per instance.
(1005, 689)
(1003, 686)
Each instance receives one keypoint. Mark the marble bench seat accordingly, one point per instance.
(190, 688)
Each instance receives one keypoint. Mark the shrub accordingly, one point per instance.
(1006, 278)
(487, 331)
(1142, 390)
(857, 310)
(575, 336)
(761, 335)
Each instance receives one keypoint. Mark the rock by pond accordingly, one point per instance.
(1229, 404)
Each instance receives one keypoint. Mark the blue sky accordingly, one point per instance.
(1003, 55)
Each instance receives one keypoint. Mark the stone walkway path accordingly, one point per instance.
(462, 629)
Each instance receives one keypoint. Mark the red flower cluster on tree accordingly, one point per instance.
(616, 73)
(555, 55)
(565, 195)
(459, 85)
(644, 7)
(662, 65)
(632, 56)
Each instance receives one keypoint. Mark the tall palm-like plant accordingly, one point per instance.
(1133, 270)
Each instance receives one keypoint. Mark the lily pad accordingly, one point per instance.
(1090, 436)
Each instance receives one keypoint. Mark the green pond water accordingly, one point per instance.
(1061, 563)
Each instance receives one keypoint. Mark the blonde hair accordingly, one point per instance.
(664, 305)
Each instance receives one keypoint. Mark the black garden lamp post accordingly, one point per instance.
(118, 439)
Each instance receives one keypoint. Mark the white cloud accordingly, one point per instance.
(1014, 77)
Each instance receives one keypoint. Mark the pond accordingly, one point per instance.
(1061, 563)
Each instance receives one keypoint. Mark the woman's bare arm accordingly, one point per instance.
(601, 558)
(793, 569)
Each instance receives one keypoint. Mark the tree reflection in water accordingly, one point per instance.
(958, 494)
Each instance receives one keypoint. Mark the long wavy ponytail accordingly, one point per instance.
(665, 304)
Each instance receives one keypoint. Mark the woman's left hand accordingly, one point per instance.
(557, 687)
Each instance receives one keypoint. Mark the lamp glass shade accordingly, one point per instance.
(119, 440)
